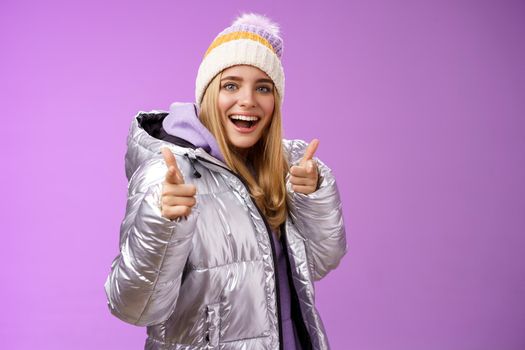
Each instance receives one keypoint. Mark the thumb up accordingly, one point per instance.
(304, 177)
(177, 197)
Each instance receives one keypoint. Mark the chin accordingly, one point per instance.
(244, 144)
(243, 141)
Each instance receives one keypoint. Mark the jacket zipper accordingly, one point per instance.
(192, 163)
(301, 327)
(275, 267)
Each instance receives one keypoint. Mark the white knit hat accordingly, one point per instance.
(252, 39)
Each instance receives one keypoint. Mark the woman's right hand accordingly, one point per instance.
(177, 197)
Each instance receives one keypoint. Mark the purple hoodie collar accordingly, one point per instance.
(182, 121)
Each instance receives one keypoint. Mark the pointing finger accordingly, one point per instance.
(169, 158)
(173, 177)
(309, 166)
(173, 174)
(310, 150)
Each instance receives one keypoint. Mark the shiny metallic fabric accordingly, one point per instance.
(208, 282)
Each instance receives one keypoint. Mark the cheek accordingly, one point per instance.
(223, 104)
(268, 105)
(220, 105)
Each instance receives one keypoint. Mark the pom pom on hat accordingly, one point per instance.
(258, 21)
(252, 39)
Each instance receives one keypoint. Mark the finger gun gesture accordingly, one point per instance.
(177, 198)
(304, 177)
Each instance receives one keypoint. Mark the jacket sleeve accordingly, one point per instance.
(143, 285)
(318, 216)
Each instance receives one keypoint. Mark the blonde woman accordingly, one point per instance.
(227, 224)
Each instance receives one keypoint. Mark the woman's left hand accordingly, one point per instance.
(304, 177)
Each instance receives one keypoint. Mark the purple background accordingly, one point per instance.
(420, 110)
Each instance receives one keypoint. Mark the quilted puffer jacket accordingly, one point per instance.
(209, 281)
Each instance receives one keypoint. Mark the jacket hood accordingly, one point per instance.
(150, 131)
(183, 122)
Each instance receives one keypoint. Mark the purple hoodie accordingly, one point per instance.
(183, 122)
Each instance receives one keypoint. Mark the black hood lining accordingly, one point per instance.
(152, 124)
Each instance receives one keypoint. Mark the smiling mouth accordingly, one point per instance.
(244, 122)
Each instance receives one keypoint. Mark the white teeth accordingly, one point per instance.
(244, 117)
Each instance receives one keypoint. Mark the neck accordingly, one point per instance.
(242, 153)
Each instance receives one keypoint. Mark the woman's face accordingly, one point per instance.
(246, 104)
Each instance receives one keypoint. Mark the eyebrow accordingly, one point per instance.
(235, 78)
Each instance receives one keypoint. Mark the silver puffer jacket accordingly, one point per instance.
(209, 282)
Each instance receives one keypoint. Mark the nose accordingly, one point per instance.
(247, 98)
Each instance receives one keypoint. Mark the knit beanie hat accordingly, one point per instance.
(252, 39)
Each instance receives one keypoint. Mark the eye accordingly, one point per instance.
(265, 89)
(229, 86)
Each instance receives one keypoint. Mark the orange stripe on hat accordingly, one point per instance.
(236, 36)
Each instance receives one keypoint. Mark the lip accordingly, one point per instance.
(244, 130)
(245, 114)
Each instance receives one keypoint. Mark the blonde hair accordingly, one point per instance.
(267, 188)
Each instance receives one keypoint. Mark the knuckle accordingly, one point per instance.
(177, 211)
(180, 200)
(168, 198)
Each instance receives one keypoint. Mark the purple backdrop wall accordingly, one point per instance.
(419, 107)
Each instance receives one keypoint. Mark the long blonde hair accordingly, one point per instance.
(267, 188)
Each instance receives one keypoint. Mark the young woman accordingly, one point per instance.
(227, 225)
